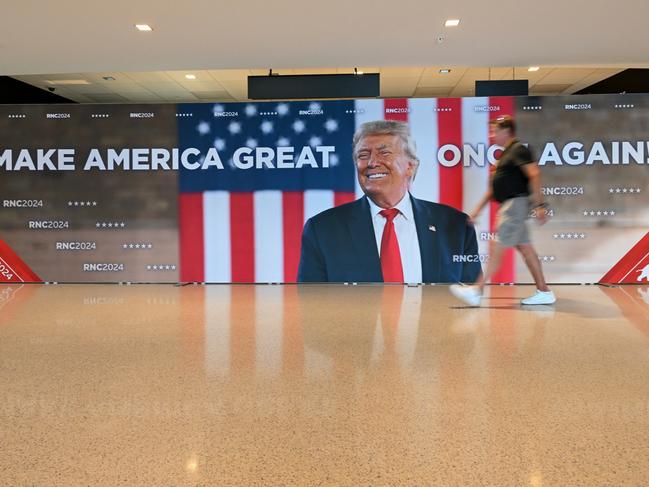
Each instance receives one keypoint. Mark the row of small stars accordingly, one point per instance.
(599, 212)
(624, 190)
(532, 107)
(100, 115)
(16, 116)
(268, 113)
(110, 225)
(161, 268)
(546, 258)
(624, 106)
(359, 111)
(82, 203)
(184, 115)
(442, 109)
(137, 246)
(573, 236)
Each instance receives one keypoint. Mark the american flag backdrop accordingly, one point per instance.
(245, 225)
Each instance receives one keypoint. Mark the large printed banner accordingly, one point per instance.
(222, 192)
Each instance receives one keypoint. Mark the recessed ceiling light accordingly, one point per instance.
(63, 82)
(533, 68)
(444, 71)
(452, 23)
(143, 27)
(190, 76)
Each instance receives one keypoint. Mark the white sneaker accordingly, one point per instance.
(469, 294)
(540, 297)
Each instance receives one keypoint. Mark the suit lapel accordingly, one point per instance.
(362, 231)
(428, 242)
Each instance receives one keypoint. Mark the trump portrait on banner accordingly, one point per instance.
(388, 235)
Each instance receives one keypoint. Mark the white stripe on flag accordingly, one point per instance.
(475, 131)
(317, 200)
(217, 330)
(216, 229)
(367, 111)
(269, 236)
(423, 126)
(269, 318)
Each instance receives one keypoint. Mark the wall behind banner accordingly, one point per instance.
(220, 192)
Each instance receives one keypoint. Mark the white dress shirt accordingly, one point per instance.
(404, 226)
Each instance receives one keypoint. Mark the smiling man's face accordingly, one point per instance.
(384, 169)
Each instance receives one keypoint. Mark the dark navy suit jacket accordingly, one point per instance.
(339, 245)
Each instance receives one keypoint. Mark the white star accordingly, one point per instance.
(299, 126)
(155, 267)
(167, 267)
(218, 108)
(125, 246)
(576, 235)
(605, 213)
(624, 190)
(203, 128)
(586, 213)
(637, 190)
(130, 246)
(334, 160)
(562, 236)
(617, 190)
(88, 203)
(98, 225)
(556, 235)
(234, 128)
(69, 203)
(331, 125)
(251, 110)
(283, 142)
(315, 106)
(94, 203)
(282, 109)
(252, 143)
(583, 235)
(110, 225)
(219, 144)
(569, 235)
(315, 141)
(150, 246)
(122, 225)
(103, 225)
(137, 246)
(599, 213)
(611, 190)
(612, 213)
(173, 267)
(76, 203)
(266, 126)
(148, 268)
(631, 190)
(83, 203)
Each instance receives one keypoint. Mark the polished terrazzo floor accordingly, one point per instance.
(322, 385)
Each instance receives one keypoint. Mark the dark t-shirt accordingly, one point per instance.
(509, 180)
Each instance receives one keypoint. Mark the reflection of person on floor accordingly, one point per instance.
(514, 184)
(644, 274)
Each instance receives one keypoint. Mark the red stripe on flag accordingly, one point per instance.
(450, 132)
(396, 109)
(622, 271)
(503, 105)
(190, 222)
(15, 266)
(242, 237)
(293, 212)
(341, 198)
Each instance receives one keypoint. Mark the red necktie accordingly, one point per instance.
(390, 255)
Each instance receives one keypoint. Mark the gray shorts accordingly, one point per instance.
(511, 225)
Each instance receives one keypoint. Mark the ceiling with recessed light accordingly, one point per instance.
(221, 43)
